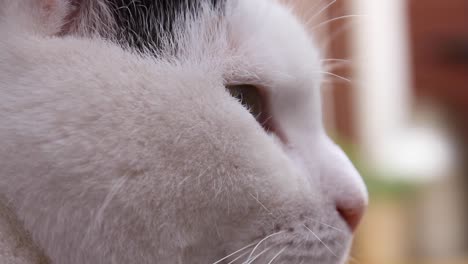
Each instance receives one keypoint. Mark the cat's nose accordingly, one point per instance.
(343, 184)
(351, 209)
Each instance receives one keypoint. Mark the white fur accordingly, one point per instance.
(111, 156)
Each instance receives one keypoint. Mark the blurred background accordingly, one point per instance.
(396, 99)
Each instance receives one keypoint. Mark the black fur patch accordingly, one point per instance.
(142, 24)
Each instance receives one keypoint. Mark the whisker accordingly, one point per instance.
(335, 75)
(322, 10)
(202, 173)
(277, 254)
(320, 240)
(266, 120)
(333, 35)
(240, 256)
(330, 82)
(332, 20)
(260, 242)
(335, 65)
(330, 226)
(261, 204)
(235, 252)
(340, 60)
(309, 12)
(250, 261)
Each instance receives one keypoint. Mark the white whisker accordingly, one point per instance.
(277, 254)
(334, 65)
(323, 9)
(240, 256)
(261, 241)
(330, 226)
(235, 252)
(335, 75)
(250, 261)
(333, 19)
(320, 240)
(261, 204)
(333, 35)
(330, 82)
(340, 60)
(311, 11)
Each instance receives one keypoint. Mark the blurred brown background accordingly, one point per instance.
(396, 99)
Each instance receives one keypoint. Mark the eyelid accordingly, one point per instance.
(266, 118)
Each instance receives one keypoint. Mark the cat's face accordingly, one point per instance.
(169, 166)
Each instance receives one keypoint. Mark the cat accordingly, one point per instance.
(167, 131)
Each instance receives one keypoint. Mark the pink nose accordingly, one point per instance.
(351, 212)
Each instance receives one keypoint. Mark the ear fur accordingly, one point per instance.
(42, 17)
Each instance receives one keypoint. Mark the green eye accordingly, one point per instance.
(249, 96)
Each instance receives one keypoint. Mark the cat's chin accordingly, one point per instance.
(292, 253)
(303, 242)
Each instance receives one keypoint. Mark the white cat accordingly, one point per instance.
(126, 136)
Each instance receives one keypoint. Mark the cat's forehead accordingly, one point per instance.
(274, 44)
(266, 43)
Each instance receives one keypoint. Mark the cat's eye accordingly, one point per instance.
(255, 100)
(249, 96)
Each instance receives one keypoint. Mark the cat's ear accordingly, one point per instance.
(43, 17)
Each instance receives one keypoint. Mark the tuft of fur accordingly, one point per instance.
(123, 146)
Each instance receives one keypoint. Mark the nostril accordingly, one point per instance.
(351, 213)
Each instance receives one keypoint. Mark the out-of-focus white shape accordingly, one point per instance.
(382, 77)
(383, 96)
(420, 152)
